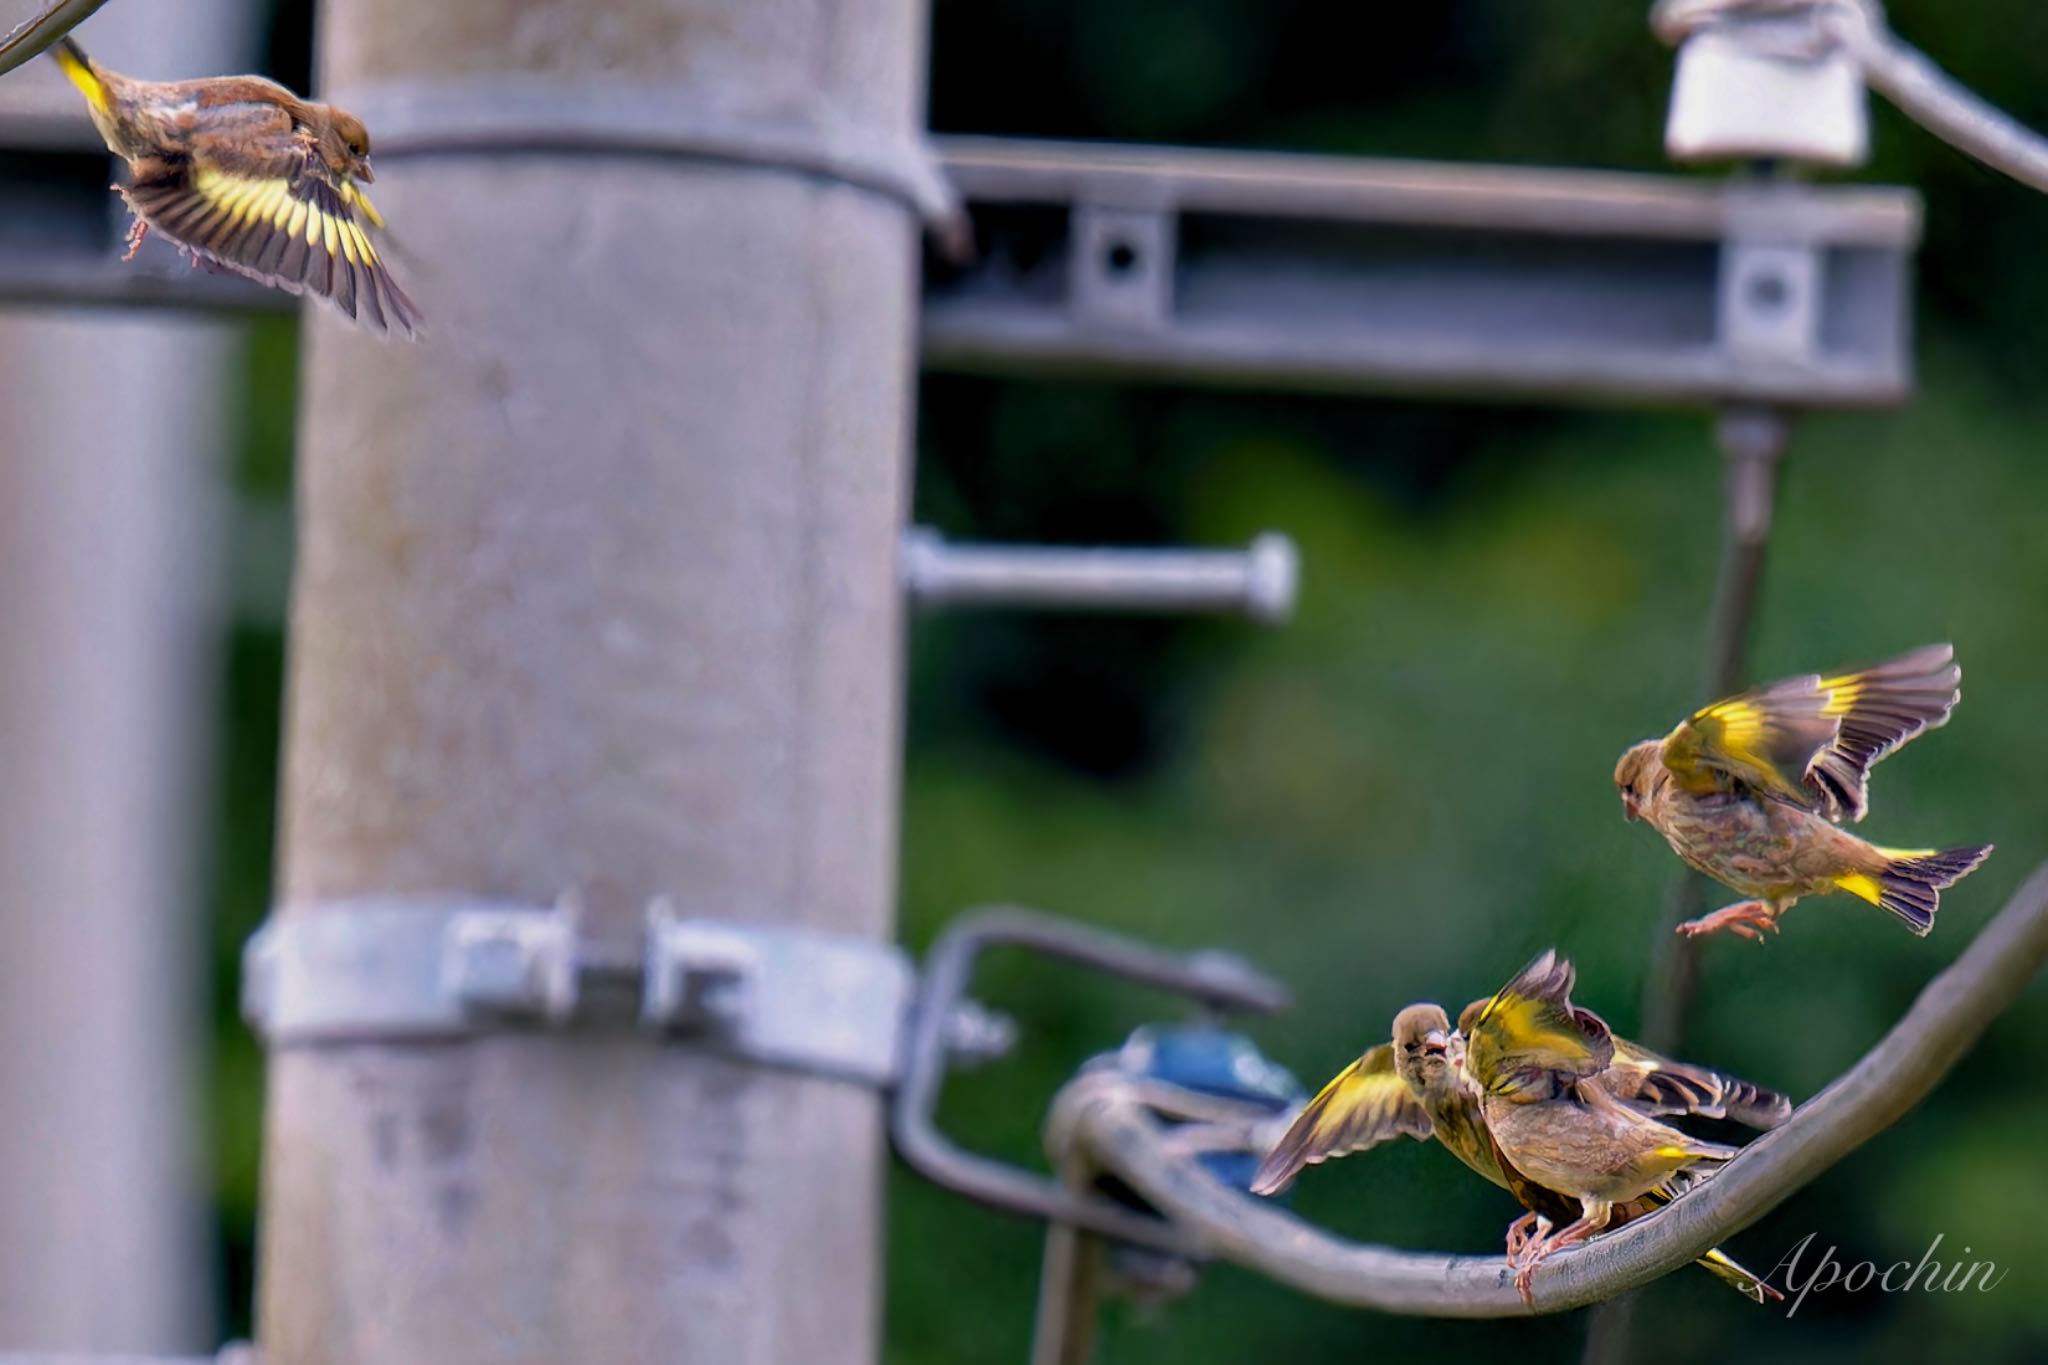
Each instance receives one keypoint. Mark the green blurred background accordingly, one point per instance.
(1404, 794)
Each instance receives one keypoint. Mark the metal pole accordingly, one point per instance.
(110, 572)
(1752, 442)
(598, 594)
(1063, 1327)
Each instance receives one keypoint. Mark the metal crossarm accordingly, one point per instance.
(1325, 272)
(1275, 270)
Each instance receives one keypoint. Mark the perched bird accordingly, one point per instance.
(1413, 1085)
(1418, 1085)
(249, 177)
(1753, 790)
(1538, 1063)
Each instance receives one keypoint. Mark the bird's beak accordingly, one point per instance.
(1435, 1044)
(1628, 807)
(364, 173)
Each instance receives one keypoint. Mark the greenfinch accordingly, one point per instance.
(1753, 791)
(248, 177)
(1419, 1085)
(1540, 1065)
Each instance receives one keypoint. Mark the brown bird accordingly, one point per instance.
(1753, 790)
(1418, 1085)
(1539, 1064)
(248, 177)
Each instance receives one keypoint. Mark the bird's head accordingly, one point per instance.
(348, 146)
(1423, 1044)
(1632, 777)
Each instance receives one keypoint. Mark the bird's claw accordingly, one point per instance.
(137, 230)
(1526, 1251)
(1518, 1238)
(1524, 1265)
(1744, 919)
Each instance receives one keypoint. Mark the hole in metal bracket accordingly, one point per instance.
(1768, 292)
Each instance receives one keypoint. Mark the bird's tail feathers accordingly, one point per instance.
(1910, 881)
(1717, 1262)
(1696, 1149)
(1725, 1268)
(82, 72)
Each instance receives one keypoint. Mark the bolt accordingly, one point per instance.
(977, 1035)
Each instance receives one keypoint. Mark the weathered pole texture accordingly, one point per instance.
(597, 593)
(110, 564)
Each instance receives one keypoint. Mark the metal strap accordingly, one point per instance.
(506, 115)
(379, 971)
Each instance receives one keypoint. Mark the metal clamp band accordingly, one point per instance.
(505, 115)
(830, 1004)
(826, 1004)
(376, 970)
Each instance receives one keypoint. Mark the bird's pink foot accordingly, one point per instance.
(137, 230)
(1744, 919)
(1519, 1237)
(1526, 1268)
(1540, 1247)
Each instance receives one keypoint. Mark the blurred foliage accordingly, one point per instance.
(1404, 793)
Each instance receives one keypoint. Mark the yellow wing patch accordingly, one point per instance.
(1736, 735)
(1764, 739)
(1530, 1029)
(1842, 694)
(247, 202)
(352, 193)
(297, 229)
(1813, 739)
(1363, 1105)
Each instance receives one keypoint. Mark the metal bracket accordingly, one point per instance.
(1217, 980)
(1770, 302)
(1258, 582)
(383, 969)
(1350, 274)
(831, 1004)
(796, 1000)
(1122, 267)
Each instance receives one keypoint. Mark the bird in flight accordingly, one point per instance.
(1754, 789)
(248, 177)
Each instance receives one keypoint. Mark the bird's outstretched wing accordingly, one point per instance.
(1365, 1105)
(275, 212)
(1812, 740)
(1530, 1032)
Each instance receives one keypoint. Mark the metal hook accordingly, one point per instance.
(1217, 980)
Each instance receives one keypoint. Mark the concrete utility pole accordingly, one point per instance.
(110, 568)
(598, 593)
